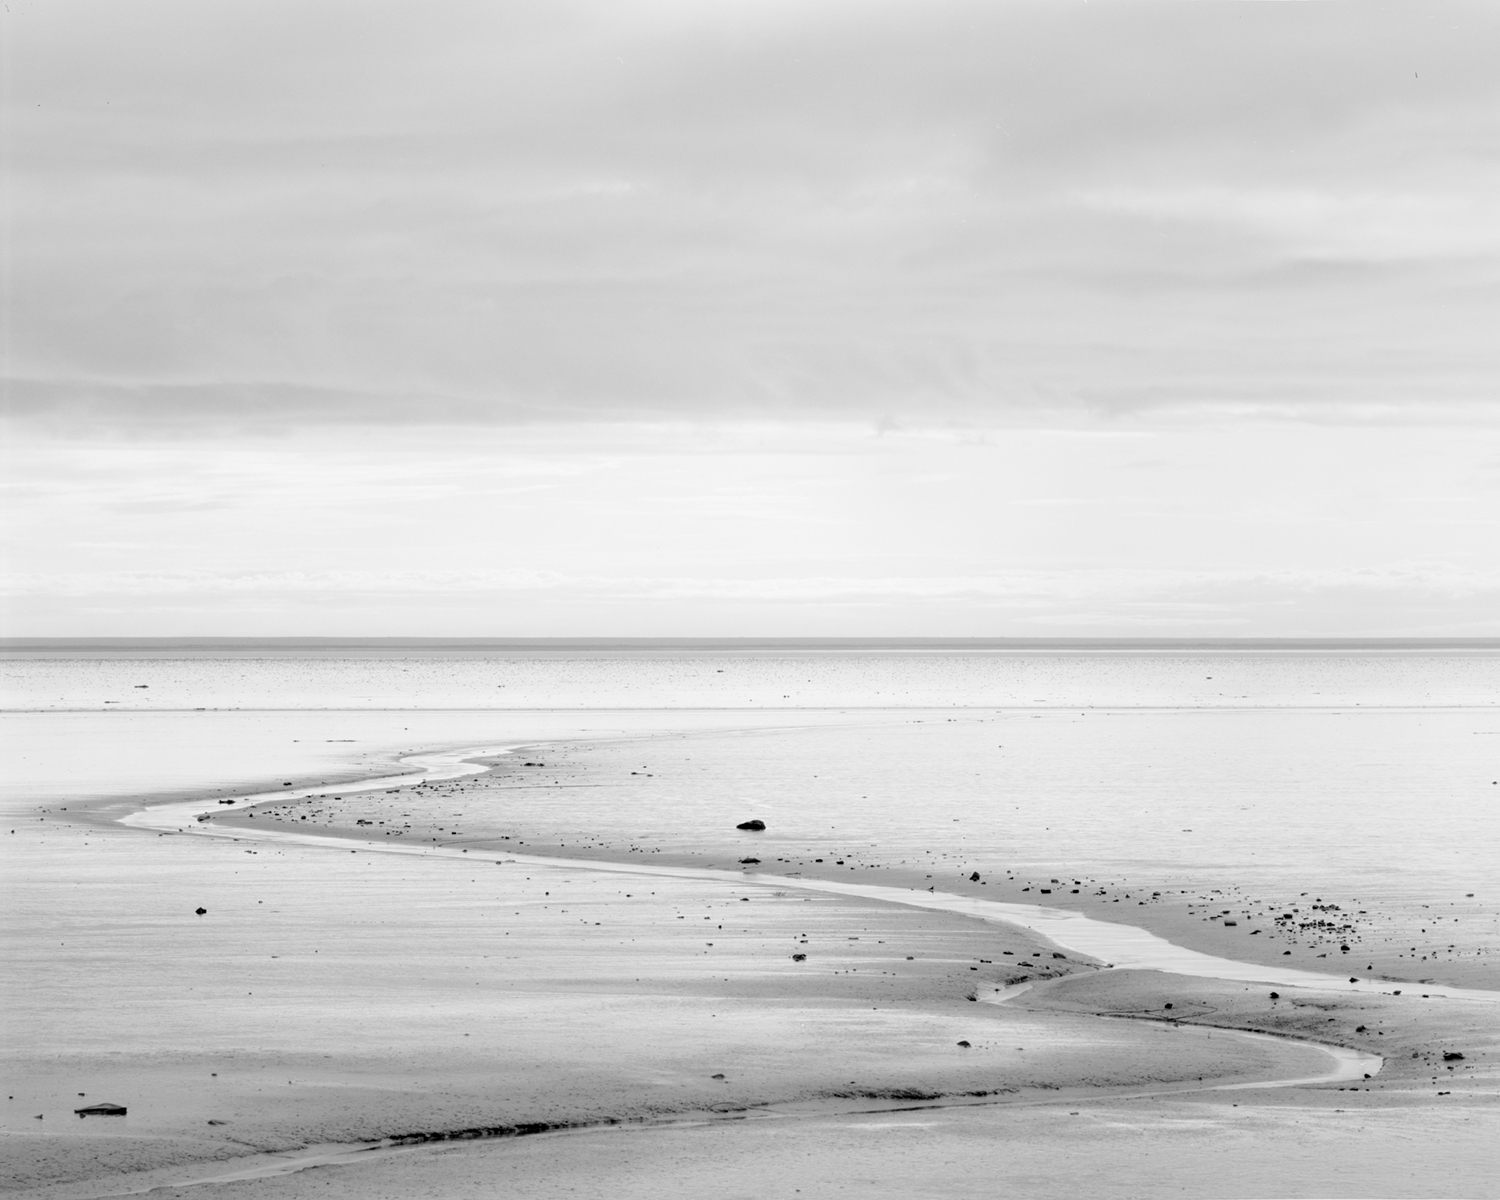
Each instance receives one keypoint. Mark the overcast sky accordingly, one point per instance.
(752, 318)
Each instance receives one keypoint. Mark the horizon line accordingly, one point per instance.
(314, 642)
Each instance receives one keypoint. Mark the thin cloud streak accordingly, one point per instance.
(1413, 600)
(1037, 588)
(765, 529)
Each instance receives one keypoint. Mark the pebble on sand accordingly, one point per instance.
(101, 1110)
(755, 824)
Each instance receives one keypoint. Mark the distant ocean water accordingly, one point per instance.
(812, 675)
(1364, 774)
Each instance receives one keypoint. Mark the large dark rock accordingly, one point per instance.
(101, 1110)
(755, 825)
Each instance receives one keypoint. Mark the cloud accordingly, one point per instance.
(1328, 225)
(254, 215)
(1411, 599)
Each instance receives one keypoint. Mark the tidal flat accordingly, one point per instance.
(557, 971)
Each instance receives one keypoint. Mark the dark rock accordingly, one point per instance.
(1275, 995)
(101, 1110)
(716, 1076)
(1055, 954)
(974, 878)
(1168, 1004)
(965, 1045)
(1452, 1056)
(799, 958)
(1359, 1029)
(749, 861)
(756, 825)
(200, 911)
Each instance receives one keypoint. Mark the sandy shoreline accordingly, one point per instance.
(1155, 936)
(928, 986)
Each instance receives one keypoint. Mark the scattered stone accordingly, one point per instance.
(1452, 1056)
(974, 878)
(965, 1045)
(1168, 1004)
(201, 911)
(749, 861)
(755, 825)
(799, 958)
(719, 1076)
(218, 1122)
(101, 1110)
(1275, 995)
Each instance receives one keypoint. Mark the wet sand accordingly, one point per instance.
(1448, 938)
(339, 993)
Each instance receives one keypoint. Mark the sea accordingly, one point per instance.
(1367, 772)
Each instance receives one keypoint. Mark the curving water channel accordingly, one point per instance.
(1117, 945)
(1109, 942)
